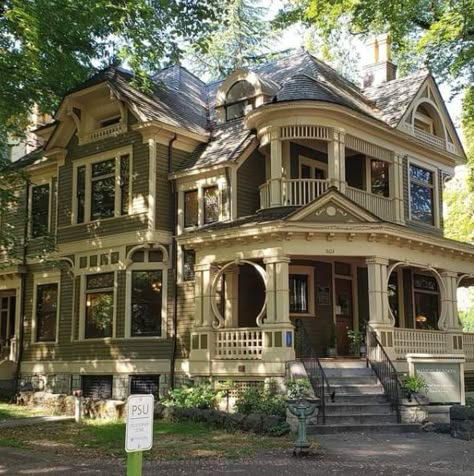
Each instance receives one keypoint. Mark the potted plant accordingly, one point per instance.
(356, 338)
(332, 350)
(414, 385)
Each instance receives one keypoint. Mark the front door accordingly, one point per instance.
(344, 317)
(7, 321)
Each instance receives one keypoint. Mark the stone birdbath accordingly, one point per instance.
(302, 408)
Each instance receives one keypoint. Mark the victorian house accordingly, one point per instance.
(205, 230)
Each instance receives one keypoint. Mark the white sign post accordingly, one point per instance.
(139, 431)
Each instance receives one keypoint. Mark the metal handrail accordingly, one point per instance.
(384, 369)
(313, 367)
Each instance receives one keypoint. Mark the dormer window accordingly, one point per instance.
(110, 121)
(240, 100)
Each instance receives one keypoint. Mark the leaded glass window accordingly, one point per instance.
(422, 195)
(426, 297)
(211, 204)
(191, 208)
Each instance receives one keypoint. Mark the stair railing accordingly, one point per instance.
(384, 369)
(314, 370)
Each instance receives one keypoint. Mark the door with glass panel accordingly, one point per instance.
(7, 321)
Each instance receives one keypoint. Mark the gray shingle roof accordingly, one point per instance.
(394, 97)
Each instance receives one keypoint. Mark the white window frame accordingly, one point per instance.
(309, 272)
(82, 306)
(436, 211)
(313, 164)
(146, 265)
(49, 277)
(38, 183)
(88, 162)
(200, 185)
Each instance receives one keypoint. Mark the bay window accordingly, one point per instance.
(46, 312)
(40, 197)
(203, 204)
(422, 195)
(99, 305)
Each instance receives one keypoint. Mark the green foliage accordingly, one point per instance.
(356, 338)
(415, 384)
(267, 401)
(201, 396)
(469, 401)
(298, 388)
(48, 47)
(242, 40)
(467, 319)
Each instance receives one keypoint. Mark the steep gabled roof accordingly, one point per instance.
(394, 97)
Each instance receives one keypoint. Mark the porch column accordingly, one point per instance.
(231, 297)
(337, 161)
(278, 300)
(276, 168)
(396, 188)
(449, 303)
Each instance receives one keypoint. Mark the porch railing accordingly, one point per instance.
(383, 367)
(468, 345)
(416, 341)
(239, 344)
(299, 192)
(305, 352)
(377, 204)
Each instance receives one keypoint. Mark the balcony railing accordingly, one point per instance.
(104, 132)
(416, 341)
(429, 138)
(239, 344)
(299, 192)
(383, 207)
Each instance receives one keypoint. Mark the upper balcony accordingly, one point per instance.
(303, 162)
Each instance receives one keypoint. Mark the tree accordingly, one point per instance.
(48, 47)
(243, 39)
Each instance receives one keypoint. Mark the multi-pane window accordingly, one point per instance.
(99, 305)
(147, 295)
(189, 260)
(422, 195)
(371, 175)
(105, 187)
(239, 100)
(211, 204)
(426, 298)
(191, 208)
(40, 195)
(46, 312)
(299, 293)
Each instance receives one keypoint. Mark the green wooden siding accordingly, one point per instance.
(250, 175)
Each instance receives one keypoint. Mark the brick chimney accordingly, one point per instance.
(378, 67)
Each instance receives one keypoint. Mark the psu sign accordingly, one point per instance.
(139, 432)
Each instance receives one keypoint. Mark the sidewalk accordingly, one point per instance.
(36, 420)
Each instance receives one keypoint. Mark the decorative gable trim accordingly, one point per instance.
(332, 205)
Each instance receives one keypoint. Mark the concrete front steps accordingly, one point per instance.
(360, 403)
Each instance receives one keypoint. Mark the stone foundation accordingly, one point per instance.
(462, 422)
(414, 410)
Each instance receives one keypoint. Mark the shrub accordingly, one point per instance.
(298, 388)
(202, 396)
(415, 384)
(261, 400)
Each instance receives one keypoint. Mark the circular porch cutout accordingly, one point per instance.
(245, 267)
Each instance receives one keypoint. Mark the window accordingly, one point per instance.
(379, 177)
(102, 189)
(99, 305)
(312, 169)
(147, 288)
(189, 260)
(422, 195)
(143, 384)
(426, 299)
(46, 312)
(40, 210)
(239, 100)
(110, 121)
(191, 208)
(393, 297)
(299, 293)
(211, 204)
(7, 318)
(98, 387)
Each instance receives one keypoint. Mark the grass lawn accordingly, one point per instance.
(8, 411)
(184, 440)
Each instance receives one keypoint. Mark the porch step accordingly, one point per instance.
(343, 364)
(350, 372)
(362, 389)
(353, 380)
(364, 428)
(355, 399)
(358, 409)
(360, 419)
